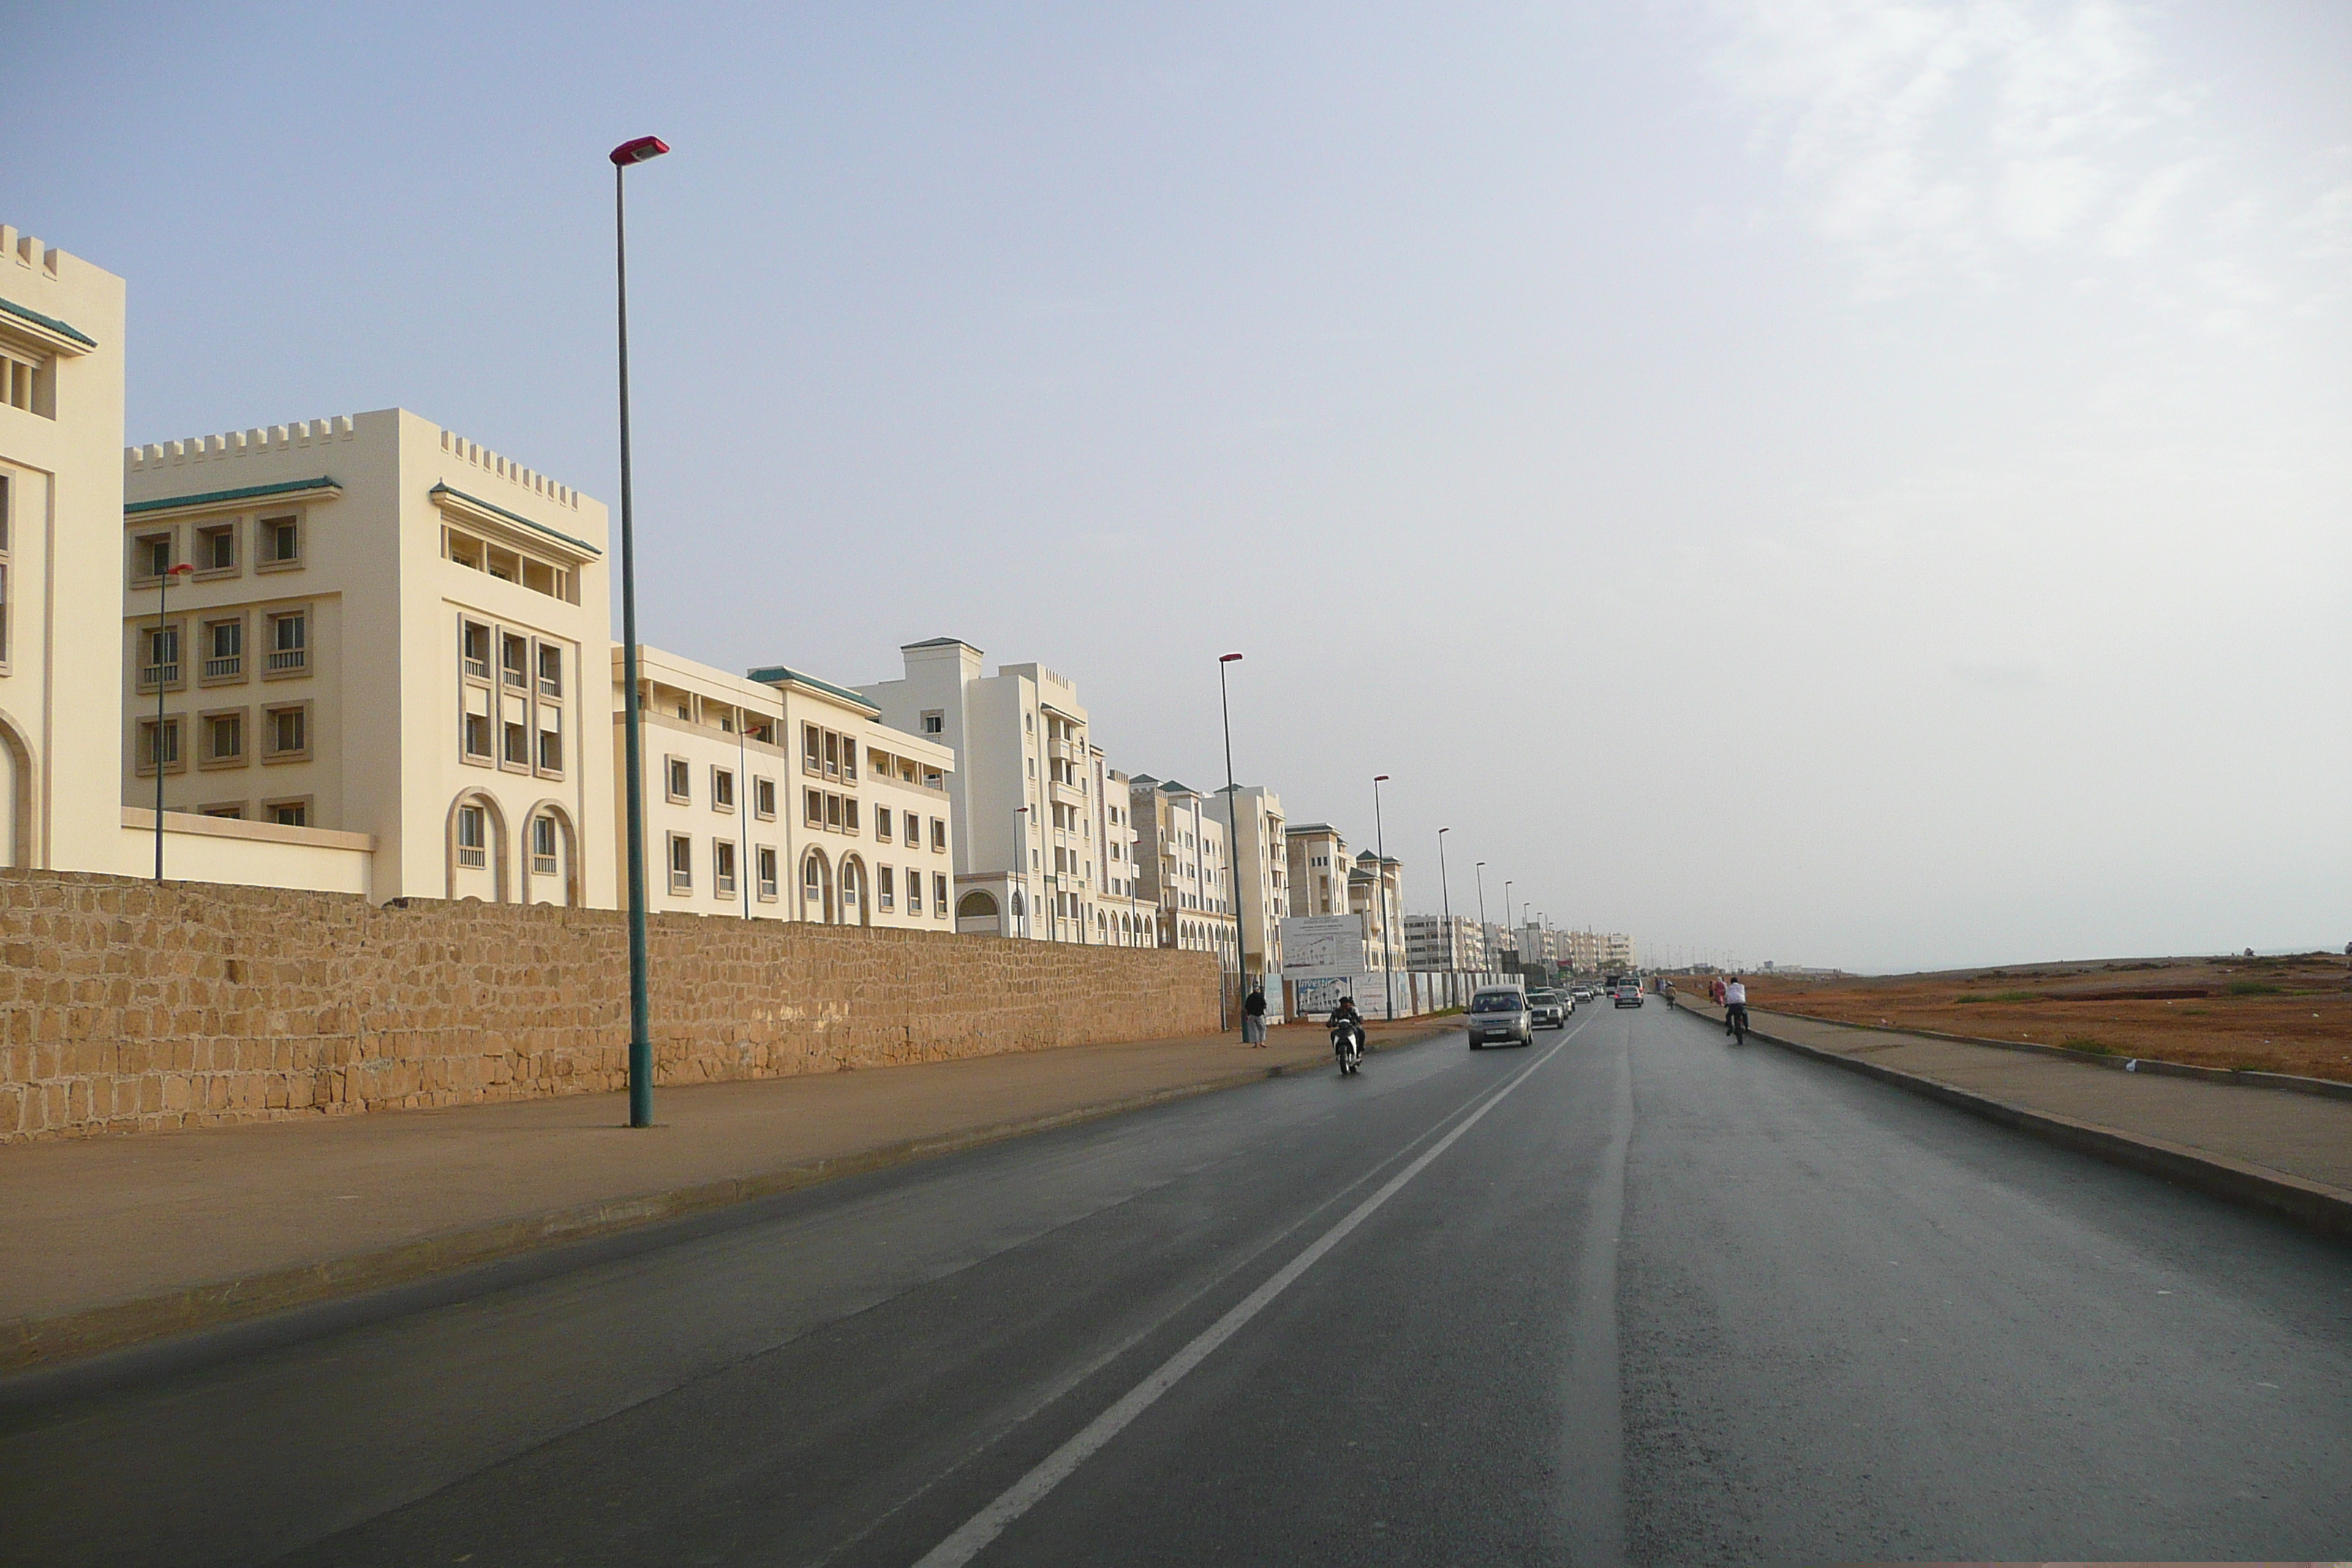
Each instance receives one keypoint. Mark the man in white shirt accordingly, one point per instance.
(1735, 1005)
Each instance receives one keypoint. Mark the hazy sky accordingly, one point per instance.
(1853, 482)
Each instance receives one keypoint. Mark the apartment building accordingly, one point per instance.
(1319, 864)
(1182, 866)
(776, 795)
(377, 628)
(1440, 942)
(1376, 892)
(1023, 795)
(61, 356)
(1127, 918)
(1253, 825)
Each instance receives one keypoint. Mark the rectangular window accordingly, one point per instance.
(939, 834)
(544, 841)
(849, 814)
(882, 823)
(914, 891)
(151, 556)
(278, 543)
(681, 863)
(832, 754)
(939, 894)
(514, 661)
(722, 868)
(224, 650)
(812, 880)
(679, 783)
(811, 749)
(227, 811)
(550, 670)
(814, 807)
(914, 831)
(159, 657)
(550, 747)
(289, 642)
(833, 811)
(223, 738)
(472, 836)
(849, 758)
(477, 735)
(216, 550)
(766, 861)
(763, 799)
(286, 733)
(722, 789)
(462, 548)
(171, 745)
(474, 648)
(518, 749)
(288, 812)
(886, 887)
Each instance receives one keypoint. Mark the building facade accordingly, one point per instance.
(1182, 868)
(1440, 942)
(778, 796)
(1124, 916)
(1022, 803)
(1319, 863)
(374, 626)
(1376, 892)
(1252, 823)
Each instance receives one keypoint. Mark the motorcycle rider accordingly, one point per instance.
(1346, 1014)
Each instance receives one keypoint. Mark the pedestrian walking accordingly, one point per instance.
(1254, 1017)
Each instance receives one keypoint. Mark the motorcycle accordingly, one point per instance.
(1348, 1045)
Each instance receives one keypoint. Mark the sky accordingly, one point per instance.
(1857, 482)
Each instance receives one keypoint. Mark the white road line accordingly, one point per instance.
(1026, 1493)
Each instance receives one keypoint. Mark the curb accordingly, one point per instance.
(2311, 1205)
(2242, 1078)
(40, 1343)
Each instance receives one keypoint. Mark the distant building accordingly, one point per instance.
(1182, 866)
(1259, 841)
(1438, 942)
(1318, 864)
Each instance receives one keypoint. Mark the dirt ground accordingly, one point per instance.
(2287, 1014)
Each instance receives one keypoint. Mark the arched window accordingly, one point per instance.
(816, 889)
(976, 905)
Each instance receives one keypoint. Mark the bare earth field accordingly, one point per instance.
(2273, 1015)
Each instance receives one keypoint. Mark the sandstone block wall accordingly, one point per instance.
(126, 1006)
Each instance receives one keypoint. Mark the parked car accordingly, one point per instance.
(1628, 995)
(1499, 1013)
(1548, 1009)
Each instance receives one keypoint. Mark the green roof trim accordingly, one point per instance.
(250, 492)
(51, 323)
(771, 674)
(515, 517)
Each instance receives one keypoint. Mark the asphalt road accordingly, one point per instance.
(1635, 1293)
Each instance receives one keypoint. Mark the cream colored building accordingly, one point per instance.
(778, 796)
(1029, 857)
(1253, 825)
(1319, 863)
(1182, 868)
(388, 634)
(1124, 916)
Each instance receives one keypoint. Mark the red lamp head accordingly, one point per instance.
(1380, 778)
(182, 570)
(638, 151)
(1227, 658)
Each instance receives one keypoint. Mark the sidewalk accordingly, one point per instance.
(113, 1240)
(2284, 1151)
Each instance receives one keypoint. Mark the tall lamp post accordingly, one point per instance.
(1019, 848)
(163, 599)
(1445, 896)
(1233, 836)
(641, 1024)
(1380, 891)
(1509, 927)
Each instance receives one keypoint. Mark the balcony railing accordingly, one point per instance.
(232, 665)
(281, 659)
(472, 856)
(159, 674)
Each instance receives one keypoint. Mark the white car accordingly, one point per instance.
(1499, 1013)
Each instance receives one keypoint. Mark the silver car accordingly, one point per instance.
(1499, 1013)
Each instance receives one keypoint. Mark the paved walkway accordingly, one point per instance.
(172, 1230)
(2303, 1135)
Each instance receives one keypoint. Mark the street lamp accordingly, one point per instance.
(641, 1027)
(1233, 836)
(1445, 896)
(163, 598)
(1380, 891)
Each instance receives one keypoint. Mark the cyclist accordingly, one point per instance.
(1735, 1007)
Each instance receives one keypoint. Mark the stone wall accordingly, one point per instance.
(127, 1006)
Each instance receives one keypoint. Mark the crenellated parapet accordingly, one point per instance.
(314, 433)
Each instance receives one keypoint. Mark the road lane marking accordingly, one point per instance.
(1023, 1495)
